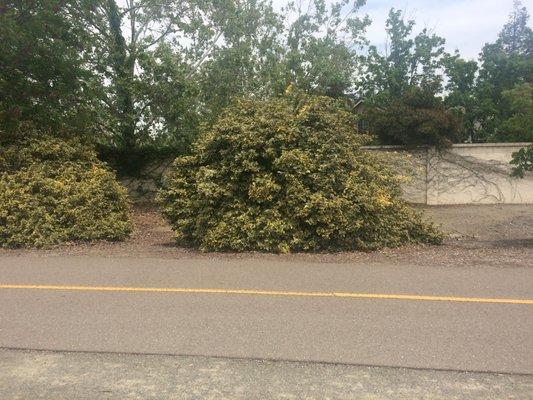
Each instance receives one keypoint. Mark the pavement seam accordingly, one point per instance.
(265, 359)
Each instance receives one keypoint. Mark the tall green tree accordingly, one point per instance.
(504, 64)
(402, 84)
(459, 91)
(519, 126)
(150, 71)
(44, 76)
(408, 61)
(310, 46)
(96, 66)
(144, 58)
(321, 45)
(246, 58)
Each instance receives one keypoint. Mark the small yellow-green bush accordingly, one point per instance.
(55, 190)
(285, 175)
(41, 147)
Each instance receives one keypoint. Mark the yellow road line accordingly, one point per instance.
(273, 293)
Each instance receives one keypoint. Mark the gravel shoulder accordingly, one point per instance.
(497, 235)
(30, 374)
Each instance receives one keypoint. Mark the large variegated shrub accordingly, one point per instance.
(287, 175)
(55, 190)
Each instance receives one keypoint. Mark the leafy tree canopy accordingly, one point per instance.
(504, 64)
(408, 61)
(44, 76)
(418, 117)
(459, 89)
(136, 74)
(519, 126)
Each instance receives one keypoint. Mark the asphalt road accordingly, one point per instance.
(305, 324)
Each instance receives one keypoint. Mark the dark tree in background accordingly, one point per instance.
(460, 97)
(417, 117)
(44, 75)
(519, 125)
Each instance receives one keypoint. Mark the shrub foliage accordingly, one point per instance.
(287, 175)
(522, 161)
(55, 190)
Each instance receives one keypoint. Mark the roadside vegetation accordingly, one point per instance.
(121, 84)
(287, 175)
(55, 190)
(148, 73)
(522, 161)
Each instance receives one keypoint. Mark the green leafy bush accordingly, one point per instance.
(287, 175)
(36, 147)
(55, 190)
(522, 161)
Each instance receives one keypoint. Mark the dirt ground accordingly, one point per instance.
(499, 235)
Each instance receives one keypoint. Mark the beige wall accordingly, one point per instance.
(464, 174)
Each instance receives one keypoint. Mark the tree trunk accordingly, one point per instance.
(123, 68)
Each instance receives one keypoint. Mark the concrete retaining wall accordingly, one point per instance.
(463, 174)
